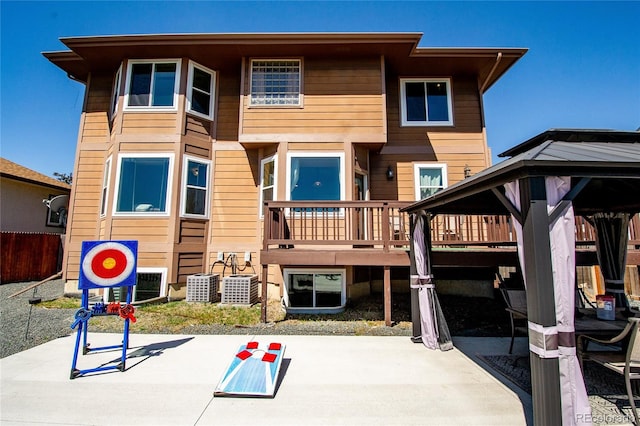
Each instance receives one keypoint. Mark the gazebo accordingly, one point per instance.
(546, 180)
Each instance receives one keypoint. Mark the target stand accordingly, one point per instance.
(104, 264)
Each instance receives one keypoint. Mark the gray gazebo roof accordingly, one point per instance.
(609, 160)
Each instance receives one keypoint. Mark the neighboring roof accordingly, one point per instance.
(11, 170)
(223, 50)
(609, 159)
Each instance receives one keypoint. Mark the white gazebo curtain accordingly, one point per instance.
(574, 399)
(434, 330)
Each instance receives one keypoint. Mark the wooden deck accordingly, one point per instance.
(376, 233)
(371, 233)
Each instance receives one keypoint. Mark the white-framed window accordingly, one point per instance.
(315, 290)
(195, 187)
(429, 179)
(275, 82)
(115, 91)
(151, 283)
(426, 102)
(315, 176)
(105, 187)
(200, 90)
(152, 85)
(143, 184)
(268, 180)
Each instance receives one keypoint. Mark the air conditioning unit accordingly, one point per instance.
(203, 288)
(240, 289)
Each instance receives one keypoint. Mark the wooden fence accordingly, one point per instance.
(29, 256)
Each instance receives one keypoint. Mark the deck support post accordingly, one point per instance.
(263, 299)
(387, 296)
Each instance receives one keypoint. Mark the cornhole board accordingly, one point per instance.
(253, 371)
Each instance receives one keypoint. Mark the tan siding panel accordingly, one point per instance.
(235, 199)
(139, 122)
(228, 112)
(339, 97)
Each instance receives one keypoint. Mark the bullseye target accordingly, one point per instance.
(108, 264)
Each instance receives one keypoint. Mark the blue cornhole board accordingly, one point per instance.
(253, 371)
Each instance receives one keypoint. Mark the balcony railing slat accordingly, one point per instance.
(381, 224)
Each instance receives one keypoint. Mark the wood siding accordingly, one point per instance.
(193, 231)
(189, 264)
(338, 97)
(228, 111)
(149, 122)
(235, 199)
(458, 146)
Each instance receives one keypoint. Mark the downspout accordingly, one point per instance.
(493, 69)
(483, 86)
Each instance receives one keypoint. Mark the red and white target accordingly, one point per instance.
(108, 264)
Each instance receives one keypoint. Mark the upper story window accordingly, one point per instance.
(152, 85)
(200, 91)
(115, 91)
(267, 181)
(105, 187)
(143, 184)
(275, 82)
(195, 178)
(426, 102)
(429, 179)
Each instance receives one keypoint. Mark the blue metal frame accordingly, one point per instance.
(83, 326)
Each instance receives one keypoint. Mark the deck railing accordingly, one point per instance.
(380, 224)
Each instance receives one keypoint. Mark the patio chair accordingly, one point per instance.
(624, 362)
(516, 301)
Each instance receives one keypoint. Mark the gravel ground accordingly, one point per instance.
(43, 325)
(23, 326)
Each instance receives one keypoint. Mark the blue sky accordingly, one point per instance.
(582, 69)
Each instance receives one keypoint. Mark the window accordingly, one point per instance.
(115, 92)
(315, 177)
(315, 291)
(151, 283)
(426, 102)
(143, 184)
(105, 187)
(267, 181)
(195, 180)
(429, 179)
(152, 85)
(275, 83)
(200, 91)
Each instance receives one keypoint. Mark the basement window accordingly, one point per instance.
(151, 283)
(315, 290)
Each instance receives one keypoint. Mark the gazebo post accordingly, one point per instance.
(545, 375)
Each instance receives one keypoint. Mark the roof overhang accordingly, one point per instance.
(219, 51)
(608, 168)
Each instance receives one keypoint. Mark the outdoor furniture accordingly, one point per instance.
(516, 301)
(624, 362)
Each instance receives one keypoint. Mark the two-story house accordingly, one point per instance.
(294, 151)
